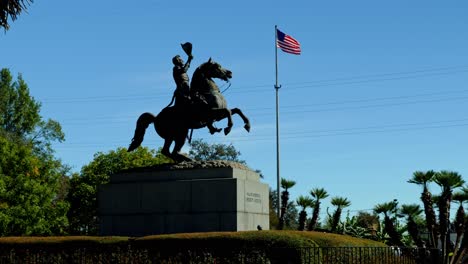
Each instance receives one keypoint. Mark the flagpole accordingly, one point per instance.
(277, 87)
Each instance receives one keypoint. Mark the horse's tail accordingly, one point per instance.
(142, 124)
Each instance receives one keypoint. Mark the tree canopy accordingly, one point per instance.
(290, 216)
(30, 175)
(83, 215)
(201, 150)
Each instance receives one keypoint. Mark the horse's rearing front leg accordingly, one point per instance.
(212, 128)
(244, 118)
(221, 113)
(227, 129)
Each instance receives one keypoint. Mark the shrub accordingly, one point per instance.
(214, 247)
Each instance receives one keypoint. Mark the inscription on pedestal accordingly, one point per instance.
(253, 198)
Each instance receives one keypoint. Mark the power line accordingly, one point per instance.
(384, 75)
(128, 118)
(375, 80)
(378, 127)
(291, 86)
(371, 106)
(372, 99)
(121, 119)
(322, 133)
(286, 137)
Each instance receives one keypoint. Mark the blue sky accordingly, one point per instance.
(378, 92)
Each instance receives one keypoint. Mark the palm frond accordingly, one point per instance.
(411, 210)
(340, 202)
(287, 184)
(448, 180)
(460, 197)
(319, 193)
(385, 207)
(11, 9)
(422, 178)
(304, 201)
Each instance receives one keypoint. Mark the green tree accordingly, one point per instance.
(28, 193)
(369, 221)
(412, 212)
(30, 175)
(423, 178)
(19, 112)
(340, 203)
(285, 185)
(460, 219)
(290, 217)
(448, 181)
(389, 223)
(11, 9)
(201, 150)
(83, 215)
(304, 202)
(350, 227)
(274, 220)
(318, 194)
(464, 244)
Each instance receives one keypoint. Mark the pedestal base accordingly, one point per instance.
(154, 201)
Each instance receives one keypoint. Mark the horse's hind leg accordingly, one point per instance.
(244, 118)
(179, 143)
(165, 149)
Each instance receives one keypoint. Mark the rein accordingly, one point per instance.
(172, 101)
(229, 86)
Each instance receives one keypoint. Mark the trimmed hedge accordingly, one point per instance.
(335, 240)
(215, 247)
(276, 239)
(273, 238)
(259, 239)
(63, 240)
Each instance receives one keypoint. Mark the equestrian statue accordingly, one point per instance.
(197, 105)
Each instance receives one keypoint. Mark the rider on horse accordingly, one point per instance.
(174, 123)
(183, 100)
(181, 78)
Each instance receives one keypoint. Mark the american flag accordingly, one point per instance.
(287, 43)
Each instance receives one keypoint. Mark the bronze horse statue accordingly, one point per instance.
(208, 106)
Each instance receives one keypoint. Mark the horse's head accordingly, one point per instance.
(212, 69)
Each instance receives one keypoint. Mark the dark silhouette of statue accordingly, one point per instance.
(203, 106)
(183, 96)
(179, 72)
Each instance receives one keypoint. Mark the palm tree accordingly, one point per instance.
(386, 209)
(464, 243)
(318, 194)
(460, 219)
(340, 203)
(11, 8)
(285, 185)
(303, 202)
(423, 178)
(448, 180)
(412, 211)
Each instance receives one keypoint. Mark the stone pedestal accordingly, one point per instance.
(163, 201)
